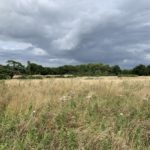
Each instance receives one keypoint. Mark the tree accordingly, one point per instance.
(28, 68)
(140, 70)
(148, 69)
(33, 68)
(15, 68)
(4, 72)
(116, 70)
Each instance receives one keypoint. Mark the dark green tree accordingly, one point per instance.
(33, 68)
(148, 69)
(116, 70)
(140, 70)
(15, 68)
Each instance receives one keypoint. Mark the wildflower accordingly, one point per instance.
(145, 98)
(90, 96)
(120, 95)
(34, 112)
(121, 114)
(64, 98)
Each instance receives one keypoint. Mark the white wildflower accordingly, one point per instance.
(120, 95)
(34, 112)
(65, 98)
(121, 114)
(145, 98)
(90, 96)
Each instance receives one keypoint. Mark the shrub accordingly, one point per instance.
(4, 76)
(30, 77)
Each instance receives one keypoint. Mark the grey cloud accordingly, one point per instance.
(77, 31)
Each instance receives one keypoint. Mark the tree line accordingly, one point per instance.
(13, 68)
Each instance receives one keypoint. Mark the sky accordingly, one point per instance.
(72, 32)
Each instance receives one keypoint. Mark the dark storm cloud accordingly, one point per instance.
(72, 32)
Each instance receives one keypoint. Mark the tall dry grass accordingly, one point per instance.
(79, 113)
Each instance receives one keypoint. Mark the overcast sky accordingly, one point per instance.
(58, 32)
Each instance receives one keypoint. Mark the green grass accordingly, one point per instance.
(101, 122)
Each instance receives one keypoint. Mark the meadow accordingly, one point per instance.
(86, 113)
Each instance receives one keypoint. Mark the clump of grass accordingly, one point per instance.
(75, 114)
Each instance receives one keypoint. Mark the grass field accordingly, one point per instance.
(106, 113)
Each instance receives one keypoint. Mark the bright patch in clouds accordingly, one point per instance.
(13, 45)
(39, 52)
